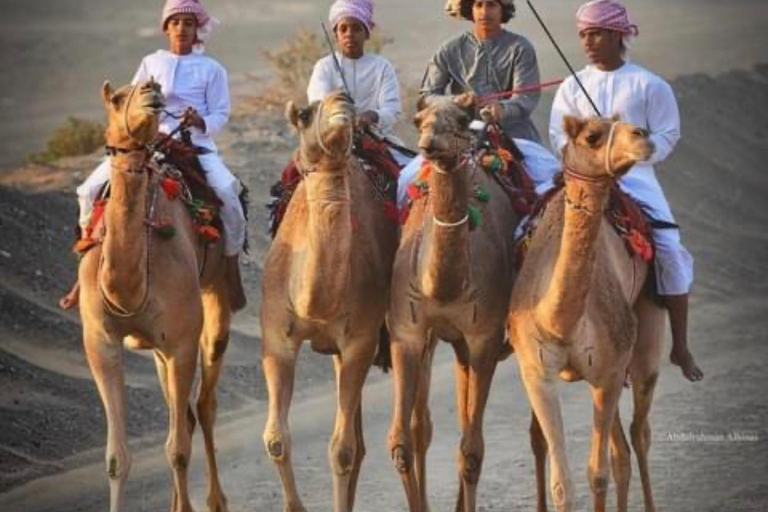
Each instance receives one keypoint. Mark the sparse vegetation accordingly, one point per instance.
(75, 137)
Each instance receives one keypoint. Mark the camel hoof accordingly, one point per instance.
(401, 459)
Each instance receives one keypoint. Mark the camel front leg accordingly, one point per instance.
(406, 357)
(213, 344)
(606, 399)
(351, 370)
(482, 366)
(181, 372)
(543, 395)
(279, 364)
(539, 448)
(162, 375)
(105, 359)
(421, 430)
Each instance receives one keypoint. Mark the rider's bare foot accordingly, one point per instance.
(684, 359)
(71, 299)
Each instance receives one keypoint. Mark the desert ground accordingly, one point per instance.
(710, 449)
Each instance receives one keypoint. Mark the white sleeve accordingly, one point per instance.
(217, 98)
(561, 106)
(142, 74)
(663, 120)
(321, 83)
(390, 107)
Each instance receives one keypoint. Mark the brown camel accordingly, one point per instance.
(449, 283)
(326, 279)
(145, 291)
(579, 310)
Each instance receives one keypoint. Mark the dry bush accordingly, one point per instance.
(75, 137)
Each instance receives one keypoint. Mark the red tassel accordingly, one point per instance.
(171, 188)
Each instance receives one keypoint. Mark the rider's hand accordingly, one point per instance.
(192, 118)
(493, 110)
(367, 119)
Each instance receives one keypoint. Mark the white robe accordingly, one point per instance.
(200, 82)
(372, 83)
(646, 100)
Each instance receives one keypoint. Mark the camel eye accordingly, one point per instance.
(593, 138)
(305, 115)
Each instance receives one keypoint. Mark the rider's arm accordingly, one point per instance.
(217, 98)
(663, 119)
(525, 73)
(390, 106)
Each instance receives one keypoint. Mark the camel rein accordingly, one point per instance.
(111, 307)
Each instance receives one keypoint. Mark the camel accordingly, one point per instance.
(449, 283)
(580, 310)
(326, 279)
(148, 292)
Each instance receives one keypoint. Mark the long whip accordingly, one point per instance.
(562, 56)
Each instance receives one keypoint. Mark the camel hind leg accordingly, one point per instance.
(482, 366)
(279, 363)
(213, 343)
(351, 370)
(621, 463)
(406, 366)
(539, 449)
(180, 366)
(644, 371)
(105, 359)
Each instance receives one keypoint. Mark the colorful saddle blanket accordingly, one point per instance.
(180, 176)
(503, 161)
(375, 161)
(622, 212)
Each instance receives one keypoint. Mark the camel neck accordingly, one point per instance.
(565, 300)
(327, 265)
(445, 264)
(123, 271)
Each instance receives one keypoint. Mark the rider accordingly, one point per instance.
(488, 60)
(196, 89)
(618, 86)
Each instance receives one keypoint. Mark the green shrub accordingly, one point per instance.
(75, 137)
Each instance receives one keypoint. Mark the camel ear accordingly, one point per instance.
(573, 126)
(107, 92)
(292, 113)
(615, 118)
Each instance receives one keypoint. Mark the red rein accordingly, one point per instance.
(521, 90)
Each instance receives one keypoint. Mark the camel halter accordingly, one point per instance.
(319, 137)
(571, 172)
(467, 159)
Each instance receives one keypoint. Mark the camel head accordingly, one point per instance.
(325, 129)
(443, 125)
(604, 147)
(132, 114)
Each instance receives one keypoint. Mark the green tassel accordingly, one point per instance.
(481, 194)
(475, 216)
(165, 231)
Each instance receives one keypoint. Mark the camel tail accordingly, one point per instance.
(383, 357)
